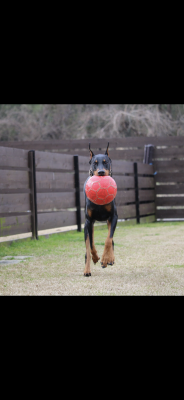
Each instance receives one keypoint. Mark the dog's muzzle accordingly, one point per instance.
(101, 172)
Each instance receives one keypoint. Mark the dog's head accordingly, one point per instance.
(101, 164)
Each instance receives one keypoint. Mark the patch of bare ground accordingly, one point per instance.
(149, 261)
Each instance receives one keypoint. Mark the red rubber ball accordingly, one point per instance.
(101, 189)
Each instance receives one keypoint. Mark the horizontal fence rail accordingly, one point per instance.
(129, 149)
(41, 190)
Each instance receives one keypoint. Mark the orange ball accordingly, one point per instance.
(101, 189)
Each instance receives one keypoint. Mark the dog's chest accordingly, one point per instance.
(100, 213)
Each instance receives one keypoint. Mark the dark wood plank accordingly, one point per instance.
(97, 143)
(177, 177)
(146, 182)
(53, 161)
(55, 201)
(19, 202)
(122, 167)
(124, 182)
(84, 163)
(14, 214)
(54, 180)
(12, 225)
(82, 217)
(126, 154)
(169, 213)
(169, 166)
(147, 195)
(145, 169)
(56, 219)
(82, 199)
(145, 209)
(169, 201)
(170, 152)
(170, 189)
(82, 179)
(50, 190)
(125, 212)
(14, 191)
(14, 180)
(124, 196)
(16, 158)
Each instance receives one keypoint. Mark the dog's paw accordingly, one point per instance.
(94, 255)
(95, 258)
(107, 260)
(88, 274)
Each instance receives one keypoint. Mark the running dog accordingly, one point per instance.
(99, 165)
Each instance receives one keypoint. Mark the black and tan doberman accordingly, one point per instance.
(99, 165)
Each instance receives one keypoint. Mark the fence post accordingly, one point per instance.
(77, 192)
(148, 153)
(33, 199)
(136, 192)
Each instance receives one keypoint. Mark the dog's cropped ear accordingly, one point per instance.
(107, 151)
(91, 154)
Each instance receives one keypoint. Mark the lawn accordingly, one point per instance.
(149, 260)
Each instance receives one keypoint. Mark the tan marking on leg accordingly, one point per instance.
(87, 265)
(94, 253)
(108, 254)
(89, 212)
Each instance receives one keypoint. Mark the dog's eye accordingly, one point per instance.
(105, 162)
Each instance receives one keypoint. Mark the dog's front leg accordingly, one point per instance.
(88, 240)
(94, 253)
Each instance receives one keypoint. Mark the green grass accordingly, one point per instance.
(62, 242)
(56, 243)
(149, 259)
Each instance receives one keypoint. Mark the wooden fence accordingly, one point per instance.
(168, 163)
(42, 190)
(167, 160)
(130, 149)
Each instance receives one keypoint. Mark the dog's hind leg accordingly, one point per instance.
(87, 271)
(112, 262)
(87, 231)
